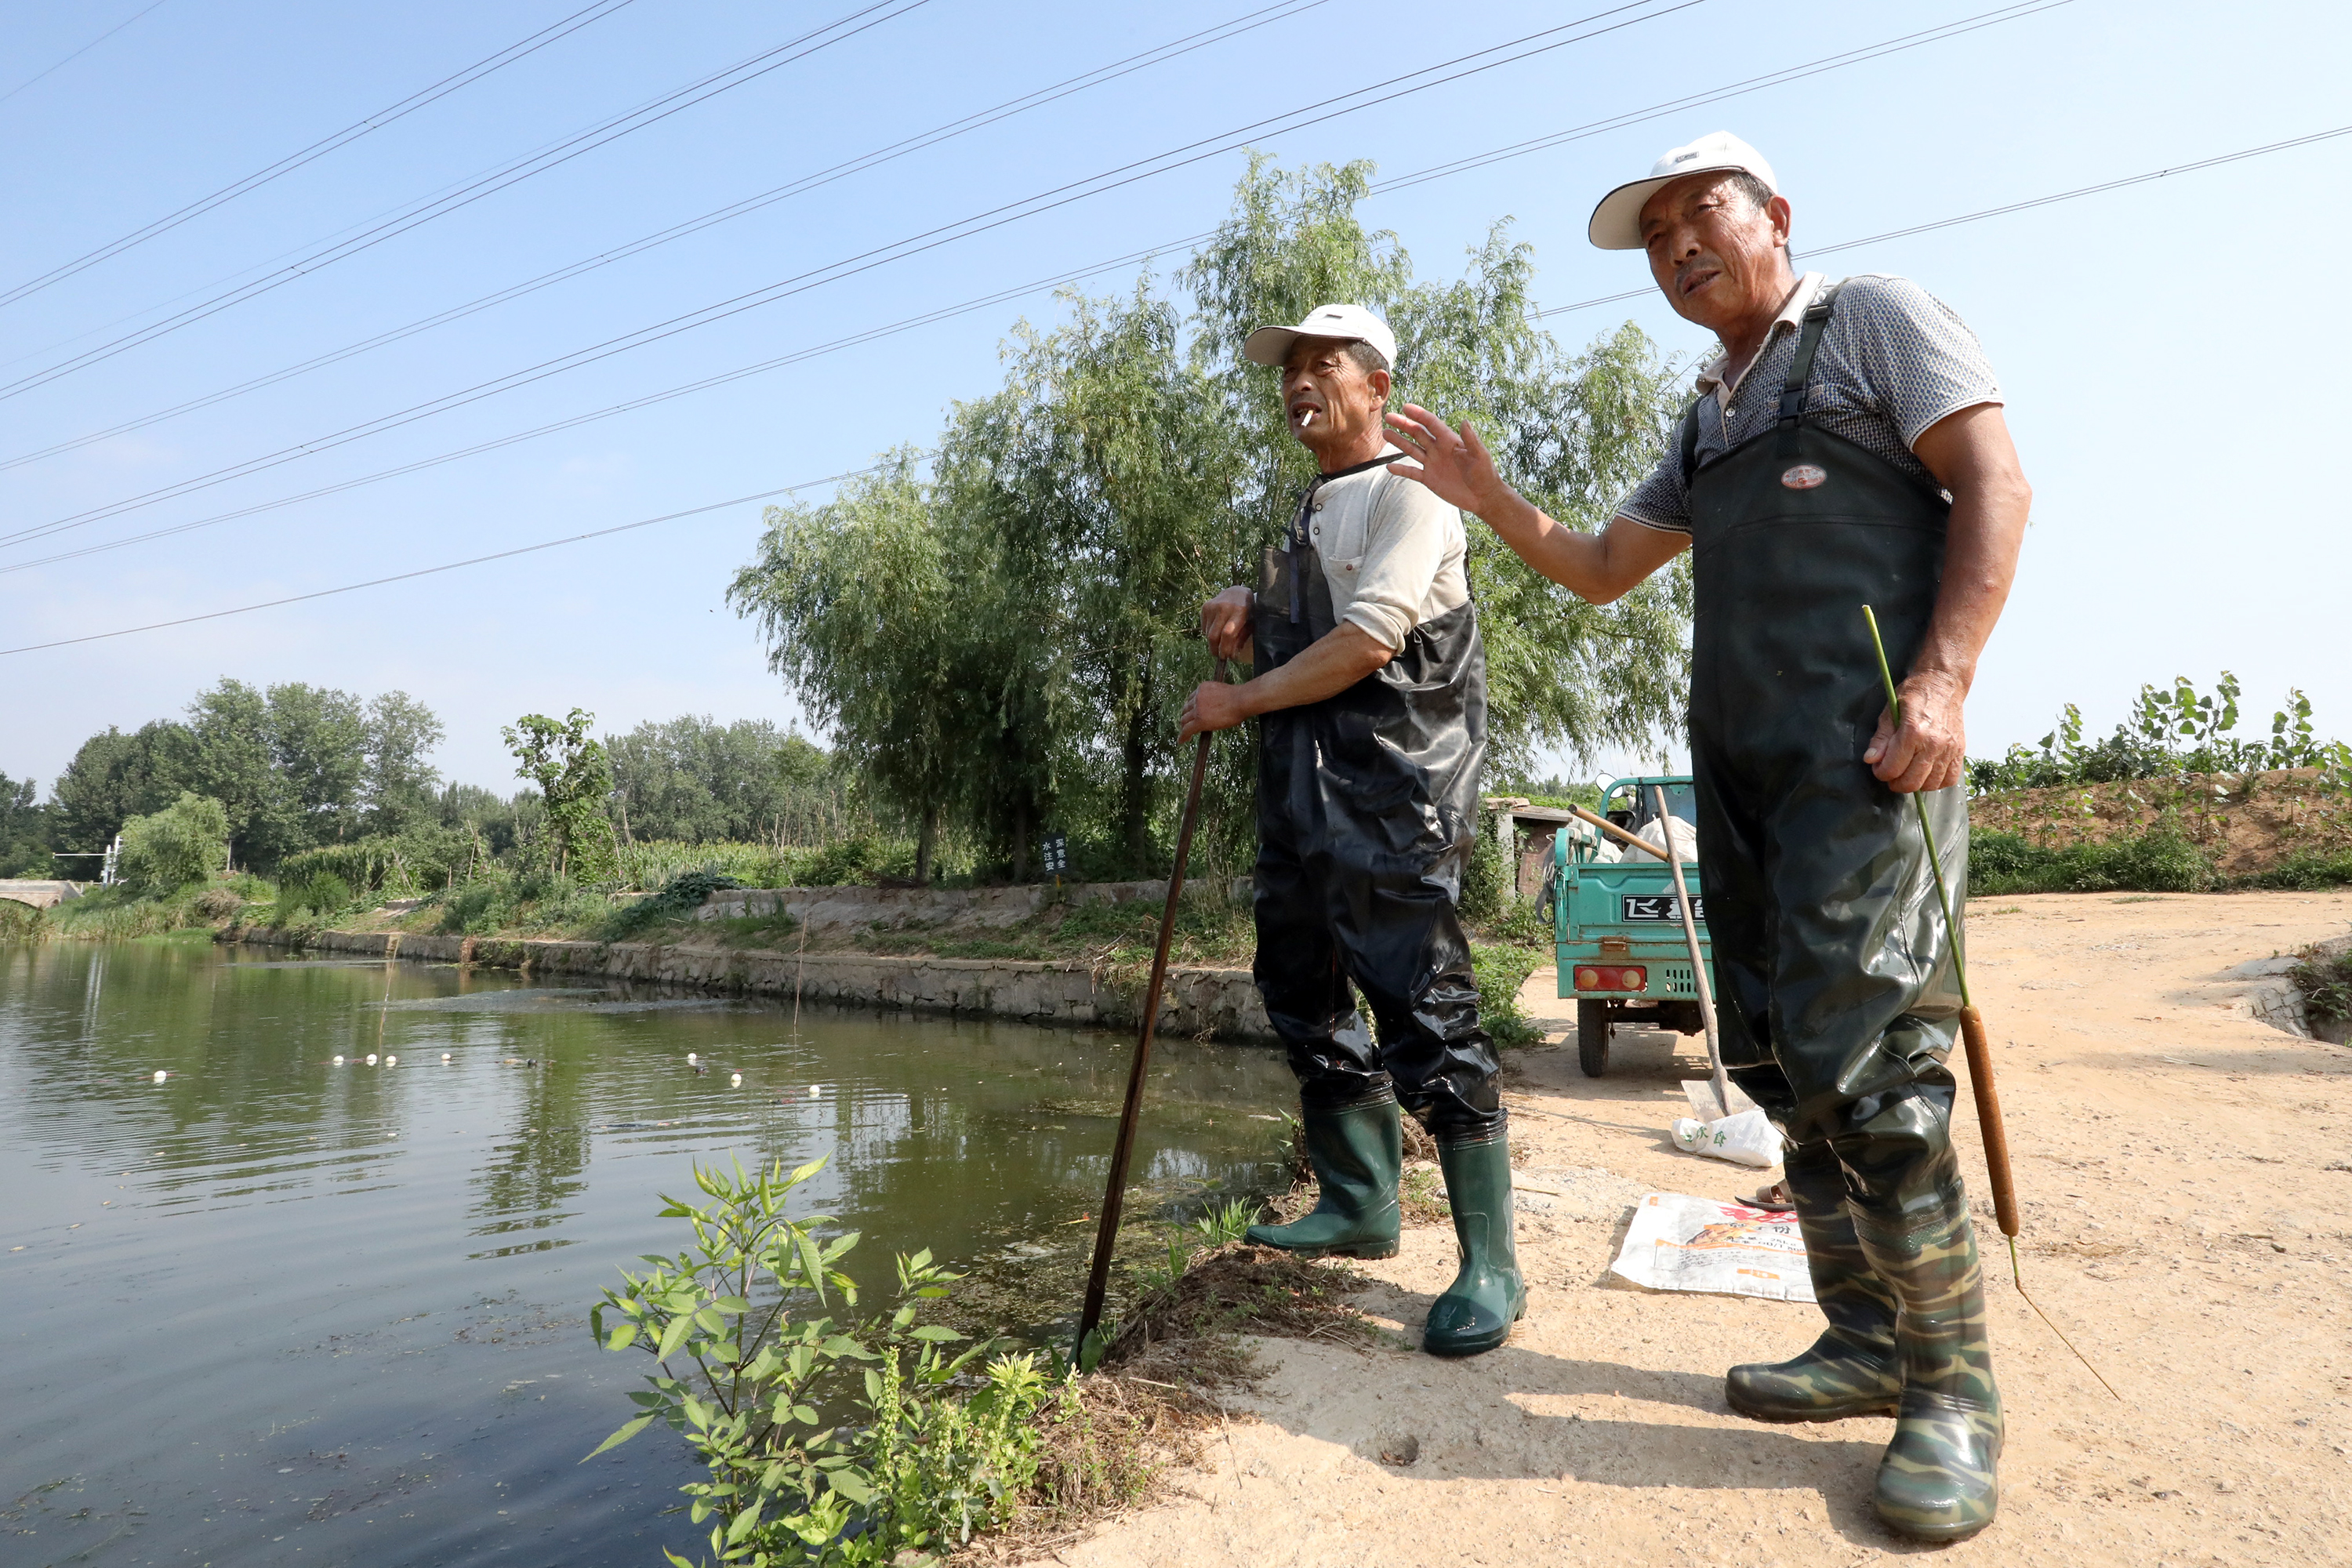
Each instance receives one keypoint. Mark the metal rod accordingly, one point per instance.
(1115, 1190)
(1989, 1124)
(1698, 960)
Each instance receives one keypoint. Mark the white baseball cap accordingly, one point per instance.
(1617, 221)
(1348, 324)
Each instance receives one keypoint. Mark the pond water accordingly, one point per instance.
(274, 1311)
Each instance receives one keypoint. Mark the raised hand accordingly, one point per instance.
(1455, 464)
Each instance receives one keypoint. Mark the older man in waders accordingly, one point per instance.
(1846, 448)
(1370, 698)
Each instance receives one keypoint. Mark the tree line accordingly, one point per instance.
(998, 632)
(294, 768)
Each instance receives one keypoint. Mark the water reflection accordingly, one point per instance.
(275, 1309)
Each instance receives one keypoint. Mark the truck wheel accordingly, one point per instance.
(1593, 1037)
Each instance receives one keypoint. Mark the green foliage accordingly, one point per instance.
(317, 896)
(694, 780)
(676, 899)
(1002, 639)
(575, 776)
(2171, 733)
(24, 836)
(1487, 876)
(759, 1378)
(294, 766)
(1500, 970)
(2161, 860)
(179, 847)
(2325, 982)
(419, 859)
(2308, 871)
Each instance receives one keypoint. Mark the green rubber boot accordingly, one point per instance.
(1357, 1151)
(1939, 1480)
(1487, 1296)
(1853, 1369)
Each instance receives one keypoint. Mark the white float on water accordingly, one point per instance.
(161, 1075)
(735, 1081)
(816, 1091)
(371, 1058)
(392, 1061)
(690, 1058)
(339, 1061)
(445, 1056)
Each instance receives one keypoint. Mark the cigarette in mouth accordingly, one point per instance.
(1307, 416)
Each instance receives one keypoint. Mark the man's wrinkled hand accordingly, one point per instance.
(1929, 748)
(1453, 462)
(1226, 624)
(1213, 705)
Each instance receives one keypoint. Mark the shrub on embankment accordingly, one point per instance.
(2193, 833)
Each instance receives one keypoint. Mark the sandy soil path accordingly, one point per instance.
(2187, 1178)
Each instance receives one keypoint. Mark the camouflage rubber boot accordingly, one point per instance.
(1357, 1154)
(1852, 1369)
(1488, 1295)
(1939, 1480)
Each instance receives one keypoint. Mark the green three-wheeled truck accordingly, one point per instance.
(1615, 927)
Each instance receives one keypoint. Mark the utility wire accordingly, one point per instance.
(897, 251)
(448, 565)
(800, 285)
(914, 321)
(417, 214)
(2080, 191)
(741, 372)
(77, 54)
(1246, 23)
(316, 150)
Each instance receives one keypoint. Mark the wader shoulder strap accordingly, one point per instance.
(1297, 537)
(1689, 440)
(1791, 414)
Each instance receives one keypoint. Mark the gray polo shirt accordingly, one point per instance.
(1894, 359)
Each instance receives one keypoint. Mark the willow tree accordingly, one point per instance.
(1013, 631)
(1099, 484)
(855, 599)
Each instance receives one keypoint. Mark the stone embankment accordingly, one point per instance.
(1203, 1002)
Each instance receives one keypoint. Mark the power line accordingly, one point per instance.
(510, 174)
(1225, 31)
(77, 54)
(316, 150)
(2027, 205)
(1848, 57)
(897, 251)
(446, 566)
(750, 370)
(740, 373)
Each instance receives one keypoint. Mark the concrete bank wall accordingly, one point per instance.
(1201, 1002)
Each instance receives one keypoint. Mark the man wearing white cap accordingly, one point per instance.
(1370, 697)
(1846, 448)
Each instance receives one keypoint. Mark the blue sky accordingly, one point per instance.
(2148, 339)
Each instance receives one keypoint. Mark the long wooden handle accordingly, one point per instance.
(1123, 1150)
(1698, 960)
(1988, 1123)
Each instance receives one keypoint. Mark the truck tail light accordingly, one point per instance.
(1612, 977)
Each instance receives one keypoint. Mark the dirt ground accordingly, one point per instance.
(2186, 1174)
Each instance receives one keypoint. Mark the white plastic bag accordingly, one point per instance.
(1744, 1138)
(1683, 835)
(1681, 1242)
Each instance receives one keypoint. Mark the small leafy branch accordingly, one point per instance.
(753, 1373)
(2171, 733)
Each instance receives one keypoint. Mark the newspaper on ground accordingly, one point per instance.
(1747, 1138)
(1681, 1242)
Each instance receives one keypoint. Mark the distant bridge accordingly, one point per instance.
(39, 895)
